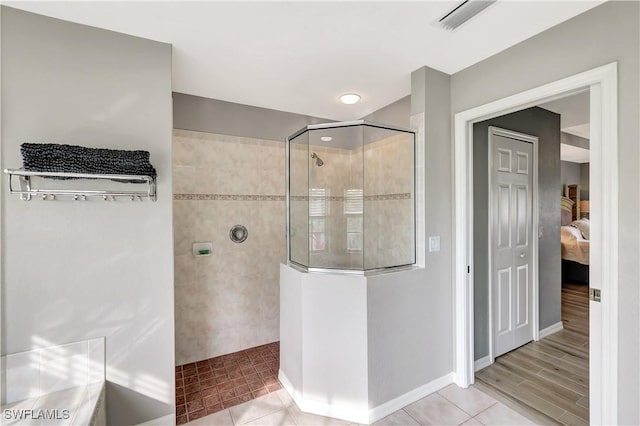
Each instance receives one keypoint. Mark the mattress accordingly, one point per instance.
(574, 246)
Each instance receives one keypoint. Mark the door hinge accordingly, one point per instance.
(594, 294)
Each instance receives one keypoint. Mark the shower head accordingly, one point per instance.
(319, 162)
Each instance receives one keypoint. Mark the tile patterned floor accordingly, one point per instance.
(210, 386)
(449, 406)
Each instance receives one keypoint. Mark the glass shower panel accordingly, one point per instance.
(388, 198)
(335, 183)
(353, 209)
(299, 199)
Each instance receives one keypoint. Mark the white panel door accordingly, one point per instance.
(511, 226)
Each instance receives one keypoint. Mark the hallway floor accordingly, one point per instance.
(549, 379)
(209, 386)
(450, 406)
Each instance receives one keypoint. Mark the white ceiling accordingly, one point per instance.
(574, 119)
(574, 114)
(582, 130)
(300, 56)
(573, 110)
(573, 154)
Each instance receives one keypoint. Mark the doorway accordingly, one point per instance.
(545, 379)
(603, 343)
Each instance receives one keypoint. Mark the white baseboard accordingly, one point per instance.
(354, 413)
(169, 419)
(485, 361)
(288, 386)
(481, 363)
(550, 330)
(364, 415)
(383, 410)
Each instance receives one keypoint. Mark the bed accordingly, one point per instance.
(574, 240)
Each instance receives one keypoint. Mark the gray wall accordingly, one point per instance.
(410, 321)
(599, 36)
(572, 173)
(395, 114)
(417, 330)
(569, 175)
(78, 270)
(546, 126)
(228, 118)
(584, 181)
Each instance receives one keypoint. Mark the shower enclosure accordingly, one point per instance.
(351, 203)
(350, 197)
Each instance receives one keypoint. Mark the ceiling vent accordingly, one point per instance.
(463, 12)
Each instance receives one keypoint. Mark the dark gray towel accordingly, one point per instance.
(49, 157)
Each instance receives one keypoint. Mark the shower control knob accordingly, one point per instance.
(238, 234)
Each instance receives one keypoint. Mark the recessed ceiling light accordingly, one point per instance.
(326, 138)
(350, 98)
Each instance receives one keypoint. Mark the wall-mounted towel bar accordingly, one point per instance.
(27, 189)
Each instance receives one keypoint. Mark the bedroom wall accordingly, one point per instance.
(602, 35)
(572, 173)
(584, 181)
(74, 270)
(569, 174)
(546, 126)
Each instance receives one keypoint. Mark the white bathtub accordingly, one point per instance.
(55, 385)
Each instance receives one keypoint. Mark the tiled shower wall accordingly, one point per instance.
(228, 301)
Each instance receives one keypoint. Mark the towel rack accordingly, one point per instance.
(27, 189)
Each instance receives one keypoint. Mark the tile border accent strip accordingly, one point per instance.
(240, 197)
(381, 197)
(227, 197)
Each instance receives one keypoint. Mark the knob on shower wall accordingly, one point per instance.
(238, 234)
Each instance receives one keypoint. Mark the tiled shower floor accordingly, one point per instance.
(209, 386)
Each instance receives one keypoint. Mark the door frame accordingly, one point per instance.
(602, 82)
(494, 130)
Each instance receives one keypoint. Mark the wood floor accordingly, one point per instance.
(549, 377)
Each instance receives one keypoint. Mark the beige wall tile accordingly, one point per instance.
(228, 301)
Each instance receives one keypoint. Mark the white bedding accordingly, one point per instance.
(574, 246)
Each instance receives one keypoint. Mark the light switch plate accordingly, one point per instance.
(434, 243)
